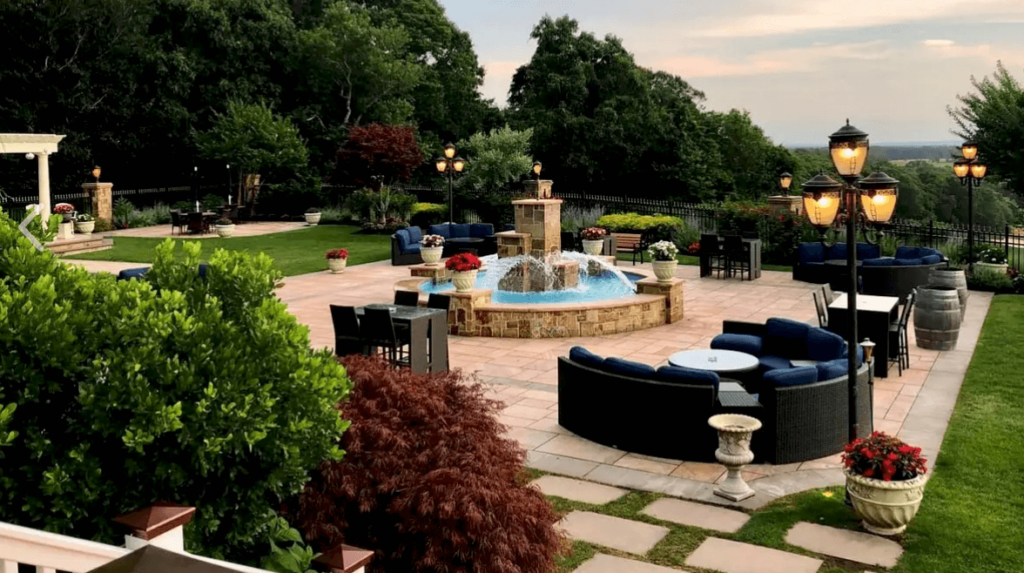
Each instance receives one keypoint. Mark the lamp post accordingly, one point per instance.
(823, 196)
(785, 180)
(452, 166)
(96, 173)
(971, 172)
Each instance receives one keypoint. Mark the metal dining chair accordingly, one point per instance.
(830, 295)
(712, 252)
(379, 333)
(737, 256)
(347, 336)
(821, 307)
(439, 301)
(898, 338)
(407, 298)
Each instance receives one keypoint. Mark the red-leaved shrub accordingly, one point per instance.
(428, 481)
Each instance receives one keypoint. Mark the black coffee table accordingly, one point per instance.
(462, 245)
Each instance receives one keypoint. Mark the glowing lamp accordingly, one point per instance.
(96, 173)
(441, 164)
(848, 147)
(785, 180)
(449, 151)
(878, 194)
(821, 200)
(459, 164)
(978, 170)
(969, 150)
(961, 169)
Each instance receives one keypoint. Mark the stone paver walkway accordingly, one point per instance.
(735, 557)
(844, 544)
(577, 490)
(241, 230)
(602, 563)
(614, 532)
(697, 515)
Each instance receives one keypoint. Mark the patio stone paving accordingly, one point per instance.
(696, 514)
(602, 563)
(736, 557)
(614, 532)
(577, 490)
(241, 230)
(844, 544)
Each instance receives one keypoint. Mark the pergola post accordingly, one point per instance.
(43, 161)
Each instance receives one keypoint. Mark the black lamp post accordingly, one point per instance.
(785, 180)
(451, 166)
(971, 172)
(823, 196)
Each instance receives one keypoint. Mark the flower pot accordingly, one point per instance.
(955, 278)
(993, 267)
(734, 432)
(312, 219)
(665, 270)
(336, 265)
(431, 255)
(68, 217)
(885, 507)
(85, 227)
(593, 247)
(937, 317)
(464, 281)
(225, 231)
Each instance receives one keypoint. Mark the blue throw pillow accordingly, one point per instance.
(923, 252)
(792, 376)
(931, 259)
(823, 345)
(442, 230)
(403, 239)
(747, 343)
(415, 235)
(628, 367)
(837, 251)
(771, 362)
(907, 262)
(881, 262)
(687, 376)
(481, 230)
(866, 251)
(905, 252)
(811, 253)
(832, 369)
(202, 270)
(581, 355)
(128, 274)
(860, 354)
(784, 337)
(460, 231)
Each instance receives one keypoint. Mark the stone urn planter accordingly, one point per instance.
(85, 227)
(885, 507)
(734, 433)
(665, 270)
(336, 265)
(593, 247)
(225, 231)
(312, 218)
(937, 317)
(955, 278)
(431, 255)
(992, 267)
(464, 281)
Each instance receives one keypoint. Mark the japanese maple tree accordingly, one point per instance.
(375, 155)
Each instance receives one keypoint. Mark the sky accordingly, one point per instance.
(799, 67)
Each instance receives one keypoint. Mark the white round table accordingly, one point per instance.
(720, 361)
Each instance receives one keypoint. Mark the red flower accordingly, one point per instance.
(893, 457)
(462, 262)
(868, 472)
(337, 254)
(867, 453)
(905, 449)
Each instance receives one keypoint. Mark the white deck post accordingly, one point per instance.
(43, 160)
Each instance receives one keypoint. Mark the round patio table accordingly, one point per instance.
(720, 361)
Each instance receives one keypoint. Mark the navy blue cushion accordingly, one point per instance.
(481, 230)
(784, 337)
(811, 253)
(814, 264)
(202, 270)
(881, 262)
(415, 234)
(771, 362)
(411, 249)
(823, 345)
(836, 251)
(832, 369)
(931, 259)
(687, 376)
(747, 343)
(442, 230)
(860, 354)
(460, 231)
(923, 252)
(866, 251)
(905, 252)
(581, 355)
(131, 274)
(792, 376)
(628, 367)
(908, 262)
(403, 240)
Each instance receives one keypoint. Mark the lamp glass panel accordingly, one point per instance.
(449, 151)
(978, 170)
(849, 157)
(536, 168)
(786, 182)
(821, 207)
(878, 204)
(969, 151)
(441, 165)
(960, 169)
(459, 165)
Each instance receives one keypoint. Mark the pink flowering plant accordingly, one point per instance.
(432, 241)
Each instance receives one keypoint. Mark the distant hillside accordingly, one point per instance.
(904, 152)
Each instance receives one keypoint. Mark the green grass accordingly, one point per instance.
(693, 260)
(294, 252)
(972, 517)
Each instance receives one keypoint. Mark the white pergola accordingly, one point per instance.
(41, 145)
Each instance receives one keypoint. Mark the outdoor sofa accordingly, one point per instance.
(901, 274)
(810, 266)
(405, 243)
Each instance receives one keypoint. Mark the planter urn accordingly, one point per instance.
(337, 266)
(993, 267)
(85, 227)
(665, 271)
(734, 433)
(464, 280)
(431, 255)
(312, 219)
(225, 231)
(593, 247)
(885, 507)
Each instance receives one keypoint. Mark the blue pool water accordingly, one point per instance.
(591, 288)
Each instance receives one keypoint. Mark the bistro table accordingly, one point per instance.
(428, 335)
(719, 361)
(874, 315)
(753, 253)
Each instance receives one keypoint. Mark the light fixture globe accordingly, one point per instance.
(878, 194)
(536, 168)
(449, 150)
(978, 170)
(969, 150)
(785, 180)
(441, 164)
(961, 168)
(848, 147)
(96, 172)
(459, 164)
(822, 200)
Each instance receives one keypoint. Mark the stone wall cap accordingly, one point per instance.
(161, 517)
(551, 201)
(344, 558)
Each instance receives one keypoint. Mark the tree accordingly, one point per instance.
(497, 158)
(994, 119)
(379, 155)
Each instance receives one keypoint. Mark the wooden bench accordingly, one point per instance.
(632, 243)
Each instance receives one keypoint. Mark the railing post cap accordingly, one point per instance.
(157, 519)
(344, 558)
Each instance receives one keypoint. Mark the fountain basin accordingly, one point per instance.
(591, 288)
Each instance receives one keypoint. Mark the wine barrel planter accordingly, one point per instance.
(937, 317)
(952, 278)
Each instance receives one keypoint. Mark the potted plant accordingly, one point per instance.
(336, 260)
(593, 240)
(463, 268)
(885, 479)
(312, 216)
(65, 209)
(84, 224)
(991, 257)
(663, 258)
(225, 227)
(431, 248)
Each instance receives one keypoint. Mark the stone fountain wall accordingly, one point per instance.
(538, 234)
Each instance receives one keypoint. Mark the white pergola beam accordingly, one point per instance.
(42, 145)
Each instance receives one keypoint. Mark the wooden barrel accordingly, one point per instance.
(937, 317)
(952, 278)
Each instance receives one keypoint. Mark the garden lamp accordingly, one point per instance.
(459, 164)
(785, 180)
(821, 200)
(969, 150)
(878, 195)
(971, 171)
(961, 168)
(536, 170)
(848, 147)
(449, 151)
(441, 164)
(96, 173)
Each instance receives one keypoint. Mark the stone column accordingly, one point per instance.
(673, 293)
(793, 204)
(101, 198)
(541, 219)
(43, 161)
(539, 189)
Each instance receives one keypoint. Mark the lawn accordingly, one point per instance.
(294, 252)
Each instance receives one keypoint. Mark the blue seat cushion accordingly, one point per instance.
(581, 355)
(792, 376)
(679, 375)
(836, 251)
(460, 231)
(823, 345)
(908, 262)
(131, 274)
(905, 252)
(628, 368)
(403, 240)
(811, 253)
(202, 270)
(481, 230)
(880, 262)
(866, 251)
(784, 337)
(747, 343)
(931, 259)
(814, 264)
(832, 369)
(771, 362)
(860, 354)
(412, 249)
(442, 230)
(415, 234)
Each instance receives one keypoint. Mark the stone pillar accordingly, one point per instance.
(672, 291)
(464, 305)
(542, 219)
(100, 195)
(43, 162)
(793, 204)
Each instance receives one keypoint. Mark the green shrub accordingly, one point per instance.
(200, 391)
(575, 217)
(143, 218)
(160, 213)
(184, 206)
(632, 222)
(331, 215)
(376, 209)
(212, 202)
(426, 214)
(102, 226)
(990, 280)
(122, 212)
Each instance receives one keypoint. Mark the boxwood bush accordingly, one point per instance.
(202, 391)
(427, 214)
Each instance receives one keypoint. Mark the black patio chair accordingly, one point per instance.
(711, 256)
(830, 295)
(179, 222)
(439, 301)
(379, 334)
(898, 339)
(347, 336)
(737, 256)
(407, 298)
(821, 307)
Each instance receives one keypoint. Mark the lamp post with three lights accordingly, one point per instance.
(451, 166)
(971, 171)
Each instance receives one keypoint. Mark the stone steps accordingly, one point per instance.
(79, 245)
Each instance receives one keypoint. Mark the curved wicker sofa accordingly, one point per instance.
(898, 275)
